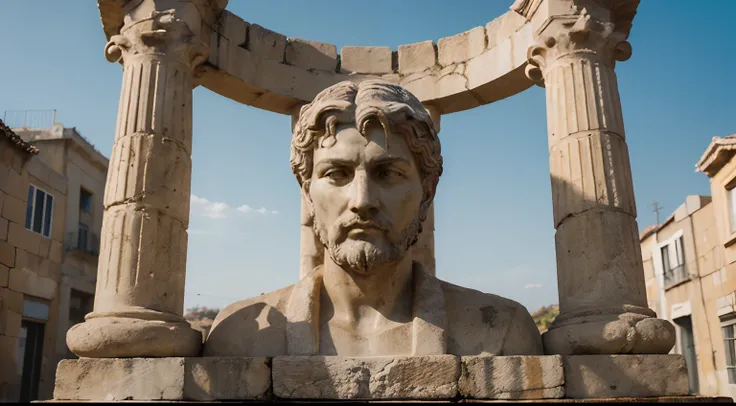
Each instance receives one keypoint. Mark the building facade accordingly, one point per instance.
(690, 272)
(51, 184)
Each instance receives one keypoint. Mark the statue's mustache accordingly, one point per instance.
(344, 226)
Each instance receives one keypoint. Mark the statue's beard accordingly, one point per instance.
(363, 256)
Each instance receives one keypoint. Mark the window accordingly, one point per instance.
(727, 328)
(85, 200)
(39, 211)
(82, 237)
(666, 258)
(673, 263)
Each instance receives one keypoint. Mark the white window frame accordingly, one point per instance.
(32, 202)
(729, 320)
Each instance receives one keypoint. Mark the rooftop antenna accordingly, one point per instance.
(656, 209)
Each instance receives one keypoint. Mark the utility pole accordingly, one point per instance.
(656, 210)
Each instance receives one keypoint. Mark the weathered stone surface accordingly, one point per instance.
(4, 274)
(4, 229)
(9, 322)
(311, 54)
(114, 379)
(228, 378)
(23, 239)
(417, 57)
(214, 378)
(28, 282)
(375, 60)
(266, 43)
(7, 254)
(461, 47)
(12, 300)
(14, 209)
(512, 377)
(422, 377)
(601, 376)
(232, 27)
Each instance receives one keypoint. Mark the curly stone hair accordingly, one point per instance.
(365, 103)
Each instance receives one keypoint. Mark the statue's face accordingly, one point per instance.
(366, 195)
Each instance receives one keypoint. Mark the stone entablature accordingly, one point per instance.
(432, 377)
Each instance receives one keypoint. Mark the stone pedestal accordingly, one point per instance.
(139, 297)
(430, 378)
(603, 305)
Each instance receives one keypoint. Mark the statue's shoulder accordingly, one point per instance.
(502, 326)
(251, 327)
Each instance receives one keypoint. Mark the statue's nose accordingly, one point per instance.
(363, 197)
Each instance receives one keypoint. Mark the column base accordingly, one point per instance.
(118, 335)
(603, 332)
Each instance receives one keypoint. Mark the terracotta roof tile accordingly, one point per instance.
(16, 140)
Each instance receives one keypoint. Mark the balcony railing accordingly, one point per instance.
(86, 242)
(675, 276)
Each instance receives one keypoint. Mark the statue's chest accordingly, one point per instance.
(393, 340)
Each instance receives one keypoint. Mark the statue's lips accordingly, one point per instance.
(363, 228)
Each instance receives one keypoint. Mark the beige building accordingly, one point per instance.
(690, 271)
(50, 215)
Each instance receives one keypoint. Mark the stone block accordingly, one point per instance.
(4, 223)
(12, 300)
(417, 57)
(266, 43)
(22, 238)
(14, 209)
(193, 379)
(7, 254)
(233, 28)
(10, 323)
(512, 377)
(461, 47)
(376, 60)
(215, 378)
(43, 248)
(55, 250)
(114, 379)
(28, 282)
(612, 376)
(334, 377)
(311, 54)
(4, 274)
(503, 27)
(15, 185)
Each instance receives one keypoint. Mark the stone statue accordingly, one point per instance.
(368, 160)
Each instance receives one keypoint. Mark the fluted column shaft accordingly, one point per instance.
(603, 306)
(139, 297)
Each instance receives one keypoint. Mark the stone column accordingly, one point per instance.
(603, 306)
(139, 296)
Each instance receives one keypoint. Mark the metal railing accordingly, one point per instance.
(29, 118)
(86, 242)
(675, 275)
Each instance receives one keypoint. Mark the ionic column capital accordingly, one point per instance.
(162, 33)
(576, 36)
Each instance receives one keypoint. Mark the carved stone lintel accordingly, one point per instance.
(570, 36)
(160, 34)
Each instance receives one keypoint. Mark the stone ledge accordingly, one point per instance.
(446, 378)
(420, 377)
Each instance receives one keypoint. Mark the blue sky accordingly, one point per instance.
(494, 229)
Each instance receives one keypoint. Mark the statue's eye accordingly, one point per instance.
(336, 174)
(388, 173)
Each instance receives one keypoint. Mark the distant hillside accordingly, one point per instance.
(201, 318)
(544, 316)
